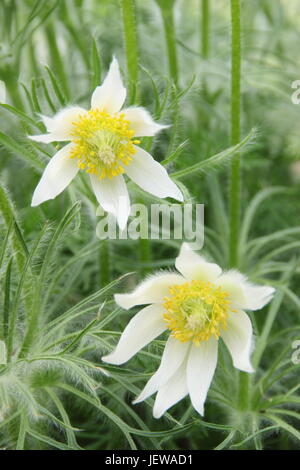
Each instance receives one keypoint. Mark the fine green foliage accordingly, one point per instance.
(232, 145)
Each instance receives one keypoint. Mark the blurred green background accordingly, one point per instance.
(54, 53)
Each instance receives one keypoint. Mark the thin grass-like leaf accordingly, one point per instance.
(216, 161)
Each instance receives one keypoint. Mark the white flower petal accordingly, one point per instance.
(141, 122)
(151, 176)
(58, 174)
(238, 339)
(201, 365)
(112, 195)
(172, 358)
(242, 293)
(61, 126)
(193, 266)
(141, 330)
(110, 96)
(174, 390)
(44, 138)
(2, 92)
(152, 290)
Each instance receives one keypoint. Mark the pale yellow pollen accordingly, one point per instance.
(103, 143)
(196, 310)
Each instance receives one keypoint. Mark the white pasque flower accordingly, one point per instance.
(198, 305)
(103, 143)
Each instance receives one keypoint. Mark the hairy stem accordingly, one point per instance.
(104, 263)
(166, 8)
(244, 384)
(204, 28)
(131, 45)
(235, 183)
(131, 49)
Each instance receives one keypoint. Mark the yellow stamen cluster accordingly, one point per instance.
(103, 143)
(196, 310)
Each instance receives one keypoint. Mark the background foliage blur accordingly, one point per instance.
(54, 53)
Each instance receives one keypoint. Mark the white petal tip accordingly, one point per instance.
(113, 359)
(157, 414)
(42, 138)
(156, 127)
(141, 397)
(120, 299)
(136, 401)
(176, 193)
(109, 359)
(179, 196)
(36, 202)
(248, 368)
(200, 410)
(122, 224)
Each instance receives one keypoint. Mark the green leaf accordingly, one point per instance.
(174, 155)
(17, 299)
(47, 95)
(112, 416)
(285, 426)
(251, 211)
(22, 151)
(253, 435)
(57, 60)
(216, 161)
(56, 87)
(8, 213)
(272, 313)
(6, 304)
(34, 94)
(36, 311)
(78, 309)
(48, 440)
(5, 243)
(26, 119)
(96, 65)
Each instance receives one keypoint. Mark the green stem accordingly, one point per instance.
(144, 253)
(166, 8)
(204, 49)
(235, 183)
(244, 384)
(131, 49)
(131, 45)
(104, 262)
(205, 27)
